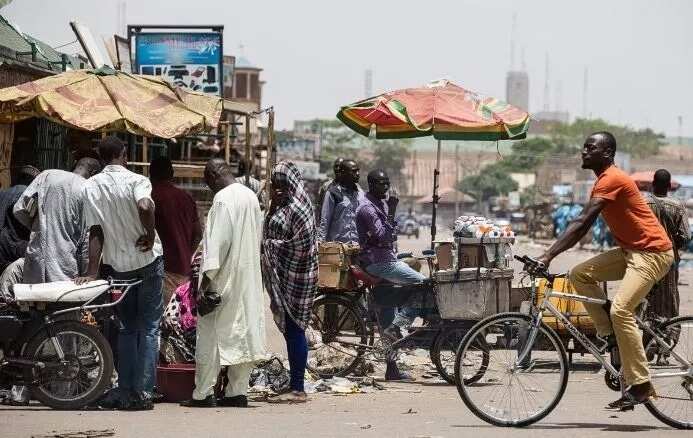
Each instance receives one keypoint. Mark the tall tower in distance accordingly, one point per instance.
(368, 83)
(516, 81)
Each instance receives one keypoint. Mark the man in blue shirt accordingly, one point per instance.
(338, 216)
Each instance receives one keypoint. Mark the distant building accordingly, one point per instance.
(247, 85)
(517, 89)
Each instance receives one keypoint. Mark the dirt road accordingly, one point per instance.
(401, 410)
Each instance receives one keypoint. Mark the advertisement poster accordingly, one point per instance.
(191, 60)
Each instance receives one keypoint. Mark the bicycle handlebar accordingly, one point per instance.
(534, 267)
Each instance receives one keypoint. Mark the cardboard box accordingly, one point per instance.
(444, 255)
(334, 277)
(337, 253)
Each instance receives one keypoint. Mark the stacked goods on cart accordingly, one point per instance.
(334, 260)
(480, 227)
(481, 242)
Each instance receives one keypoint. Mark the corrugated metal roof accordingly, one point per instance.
(20, 43)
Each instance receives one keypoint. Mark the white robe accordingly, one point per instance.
(234, 333)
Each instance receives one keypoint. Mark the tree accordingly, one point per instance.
(391, 156)
(493, 180)
(527, 155)
(639, 143)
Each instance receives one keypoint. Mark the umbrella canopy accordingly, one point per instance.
(441, 109)
(110, 100)
(644, 181)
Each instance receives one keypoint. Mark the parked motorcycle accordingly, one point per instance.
(44, 345)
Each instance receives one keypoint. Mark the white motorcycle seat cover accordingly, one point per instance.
(59, 291)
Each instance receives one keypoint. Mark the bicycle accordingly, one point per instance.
(527, 373)
(348, 328)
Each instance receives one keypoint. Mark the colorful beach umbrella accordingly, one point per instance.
(109, 100)
(440, 109)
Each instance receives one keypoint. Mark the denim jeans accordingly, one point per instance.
(138, 338)
(297, 347)
(397, 273)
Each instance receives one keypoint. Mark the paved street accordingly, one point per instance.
(401, 410)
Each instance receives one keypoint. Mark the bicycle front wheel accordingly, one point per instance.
(511, 393)
(674, 402)
(344, 337)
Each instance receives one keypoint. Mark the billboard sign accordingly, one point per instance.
(191, 60)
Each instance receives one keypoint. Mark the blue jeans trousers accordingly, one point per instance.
(397, 273)
(138, 338)
(297, 347)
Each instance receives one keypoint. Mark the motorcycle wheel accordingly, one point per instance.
(86, 373)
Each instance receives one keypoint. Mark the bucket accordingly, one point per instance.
(176, 381)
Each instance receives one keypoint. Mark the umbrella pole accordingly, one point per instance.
(436, 174)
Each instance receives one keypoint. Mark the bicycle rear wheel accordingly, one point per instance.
(674, 404)
(511, 394)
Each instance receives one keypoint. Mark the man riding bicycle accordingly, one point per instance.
(644, 257)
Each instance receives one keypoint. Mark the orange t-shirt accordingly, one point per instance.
(633, 223)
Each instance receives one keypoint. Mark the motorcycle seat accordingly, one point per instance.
(59, 291)
(363, 276)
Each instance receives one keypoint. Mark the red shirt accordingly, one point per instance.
(629, 217)
(176, 218)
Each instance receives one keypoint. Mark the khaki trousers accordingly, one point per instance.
(639, 271)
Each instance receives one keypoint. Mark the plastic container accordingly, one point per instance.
(176, 381)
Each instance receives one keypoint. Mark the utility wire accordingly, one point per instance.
(63, 45)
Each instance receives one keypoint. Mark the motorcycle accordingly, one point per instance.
(44, 344)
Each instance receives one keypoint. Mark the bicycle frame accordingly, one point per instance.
(546, 305)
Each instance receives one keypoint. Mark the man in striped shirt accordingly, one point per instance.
(119, 212)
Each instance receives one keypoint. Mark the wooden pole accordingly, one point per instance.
(270, 154)
(457, 180)
(247, 150)
(227, 142)
(434, 213)
(145, 155)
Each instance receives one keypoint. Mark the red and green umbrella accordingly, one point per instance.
(440, 109)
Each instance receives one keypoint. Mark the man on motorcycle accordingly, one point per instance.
(375, 222)
(644, 257)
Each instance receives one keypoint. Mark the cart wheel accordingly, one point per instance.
(443, 351)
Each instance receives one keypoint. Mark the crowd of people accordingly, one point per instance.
(104, 221)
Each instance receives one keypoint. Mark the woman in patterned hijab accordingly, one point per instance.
(290, 268)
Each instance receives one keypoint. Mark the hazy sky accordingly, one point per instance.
(314, 53)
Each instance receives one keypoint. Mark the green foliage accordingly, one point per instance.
(527, 155)
(639, 143)
(493, 180)
(391, 155)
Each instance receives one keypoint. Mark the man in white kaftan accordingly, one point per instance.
(233, 334)
(51, 207)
